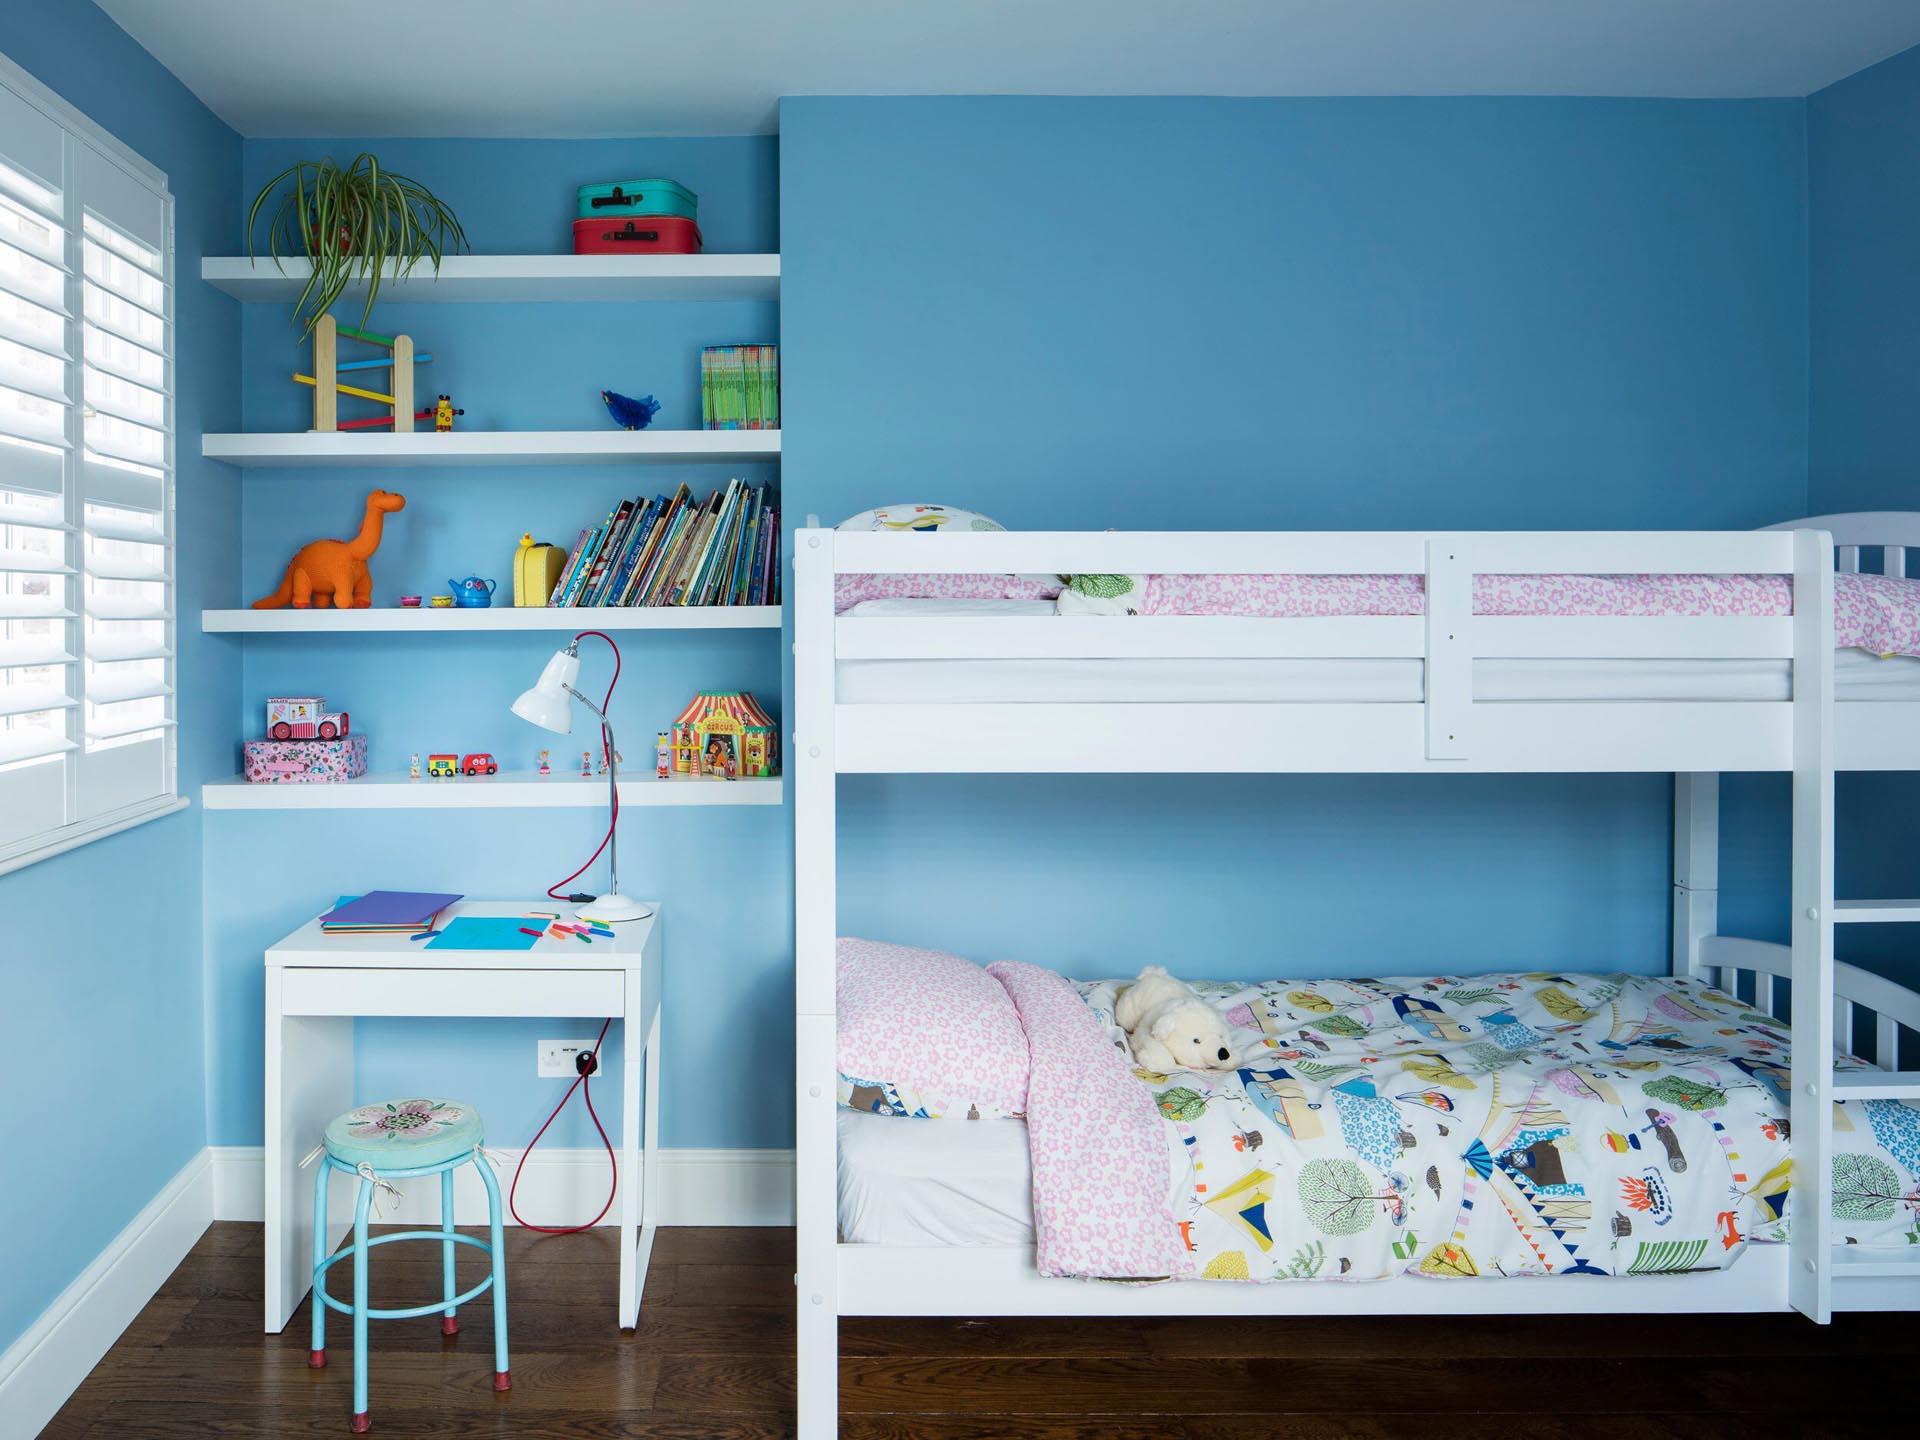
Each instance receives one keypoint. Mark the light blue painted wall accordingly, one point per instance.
(101, 1030)
(724, 873)
(1193, 314)
(1863, 137)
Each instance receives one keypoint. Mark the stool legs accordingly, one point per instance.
(496, 1234)
(361, 1250)
(362, 1422)
(317, 1357)
(449, 1320)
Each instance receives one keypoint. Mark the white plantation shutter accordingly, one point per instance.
(86, 479)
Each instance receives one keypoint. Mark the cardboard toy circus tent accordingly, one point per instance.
(726, 734)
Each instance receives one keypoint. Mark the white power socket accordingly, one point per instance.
(556, 1058)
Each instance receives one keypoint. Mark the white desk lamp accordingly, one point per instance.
(549, 704)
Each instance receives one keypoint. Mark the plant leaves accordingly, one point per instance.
(351, 223)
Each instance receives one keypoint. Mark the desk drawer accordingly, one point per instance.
(444, 990)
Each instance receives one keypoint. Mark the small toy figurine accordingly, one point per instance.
(586, 764)
(413, 770)
(721, 759)
(628, 413)
(663, 756)
(334, 572)
(545, 768)
(443, 413)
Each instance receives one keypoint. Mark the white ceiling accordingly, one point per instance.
(715, 67)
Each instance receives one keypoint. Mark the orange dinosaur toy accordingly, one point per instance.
(335, 571)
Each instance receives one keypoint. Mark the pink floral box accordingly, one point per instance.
(306, 762)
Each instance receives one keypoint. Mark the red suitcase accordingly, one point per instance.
(636, 235)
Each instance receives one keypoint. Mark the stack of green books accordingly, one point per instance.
(740, 387)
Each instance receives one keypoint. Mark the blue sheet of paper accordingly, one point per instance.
(484, 932)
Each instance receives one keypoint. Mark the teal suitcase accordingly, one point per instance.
(638, 197)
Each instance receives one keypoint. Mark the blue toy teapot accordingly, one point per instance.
(472, 593)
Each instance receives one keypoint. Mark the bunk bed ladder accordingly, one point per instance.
(1808, 962)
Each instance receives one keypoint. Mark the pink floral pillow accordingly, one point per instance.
(926, 1035)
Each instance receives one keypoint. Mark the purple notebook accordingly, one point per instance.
(389, 907)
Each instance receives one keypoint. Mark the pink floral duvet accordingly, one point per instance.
(1876, 613)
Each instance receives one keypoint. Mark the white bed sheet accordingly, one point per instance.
(1857, 675)
(934, 1182)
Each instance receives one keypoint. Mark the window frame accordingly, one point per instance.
(79, 133)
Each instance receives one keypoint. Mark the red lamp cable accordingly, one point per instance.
(583, 1083)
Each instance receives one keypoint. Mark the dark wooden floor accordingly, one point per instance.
(713, 1360)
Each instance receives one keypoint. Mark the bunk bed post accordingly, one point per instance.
(1449, 660)
(1810, 1277)
(1696, 868)
(817, 1319)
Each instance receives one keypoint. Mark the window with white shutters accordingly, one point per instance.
(86, 480)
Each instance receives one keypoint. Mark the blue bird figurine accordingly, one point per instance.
(628, 413)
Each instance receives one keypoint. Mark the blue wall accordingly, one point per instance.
(101, 1032)
(1189, 314)
(723, 872)
(1398, 313)
(1863, 137)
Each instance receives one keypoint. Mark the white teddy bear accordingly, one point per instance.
(1171, 1027)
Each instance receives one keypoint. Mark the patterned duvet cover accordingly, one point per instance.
(1533, 1124)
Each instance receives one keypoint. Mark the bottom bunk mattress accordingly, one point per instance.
(1512, 1124)
(934, 1182)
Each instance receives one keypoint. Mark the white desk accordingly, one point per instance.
(317, 984)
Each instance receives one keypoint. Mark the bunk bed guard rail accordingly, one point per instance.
(1447, 730)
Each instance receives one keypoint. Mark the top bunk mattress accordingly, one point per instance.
(1879, 614)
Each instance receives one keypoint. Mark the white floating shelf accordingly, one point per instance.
(509, 790)
(428, 621)
(313, 450)
(509, 278)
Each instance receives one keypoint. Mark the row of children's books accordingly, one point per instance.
(740, 387)
(724, 550)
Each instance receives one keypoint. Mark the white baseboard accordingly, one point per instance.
(559, 1187)
(46, 1364)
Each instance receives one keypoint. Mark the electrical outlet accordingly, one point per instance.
(555, 1058)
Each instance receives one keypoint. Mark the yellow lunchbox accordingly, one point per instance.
(536, 570)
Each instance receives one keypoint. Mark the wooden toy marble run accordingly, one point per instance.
(328, 387)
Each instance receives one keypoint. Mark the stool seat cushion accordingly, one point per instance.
(403, 1134)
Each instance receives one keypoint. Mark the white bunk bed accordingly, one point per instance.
(1448, 729)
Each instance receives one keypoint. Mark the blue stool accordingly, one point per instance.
(397, 1140)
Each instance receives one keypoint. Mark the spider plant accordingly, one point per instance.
(351, 221)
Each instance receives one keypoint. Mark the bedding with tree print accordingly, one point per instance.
(1515, 1124)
